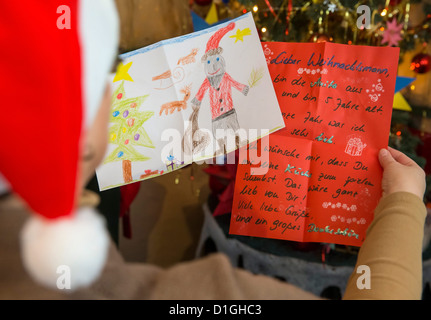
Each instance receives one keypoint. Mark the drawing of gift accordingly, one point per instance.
(173, 161)
(170, 162)
(355, 146)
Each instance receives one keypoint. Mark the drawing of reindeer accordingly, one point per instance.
(170, 107)
(190, 58)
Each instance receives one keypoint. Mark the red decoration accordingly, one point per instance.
(222, 184)
(271, 8)
(392, 33)
(421, 63)
(394, 2)
(203, 2)
(128, 194)
(320, 37)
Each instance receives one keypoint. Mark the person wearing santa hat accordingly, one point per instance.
(219, 85)
(55, 113)
(54, 118)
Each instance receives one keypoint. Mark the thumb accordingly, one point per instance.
(385, 158)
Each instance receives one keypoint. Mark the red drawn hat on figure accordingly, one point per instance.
(213, 44)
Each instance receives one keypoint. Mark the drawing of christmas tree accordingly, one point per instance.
(127, 130)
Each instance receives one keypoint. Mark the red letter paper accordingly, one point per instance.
(323, 177)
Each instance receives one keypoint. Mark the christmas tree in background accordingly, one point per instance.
(402, 23)
(127, 130)
(337, 21)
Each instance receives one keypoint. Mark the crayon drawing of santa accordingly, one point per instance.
(218, 84)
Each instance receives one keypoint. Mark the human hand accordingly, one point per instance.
(400, 173)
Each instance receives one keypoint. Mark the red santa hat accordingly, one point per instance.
(54, 71)
(213, 44)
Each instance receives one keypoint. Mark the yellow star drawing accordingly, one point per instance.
(240, 34)
(122, 72)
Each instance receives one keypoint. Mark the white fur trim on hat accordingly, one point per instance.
(66, 253)
(99, 32)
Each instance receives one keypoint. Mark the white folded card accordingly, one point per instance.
(186, 99)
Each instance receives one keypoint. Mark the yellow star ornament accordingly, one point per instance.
(123, 72)
(400, 103)
(240, 34)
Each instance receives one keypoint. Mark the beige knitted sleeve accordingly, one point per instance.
(392, 251)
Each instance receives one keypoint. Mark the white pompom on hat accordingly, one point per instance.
(53, 80)
(78, 244)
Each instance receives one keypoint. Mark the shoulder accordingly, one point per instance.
(214, 277)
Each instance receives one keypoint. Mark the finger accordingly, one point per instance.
(385, 158)
(401, 157)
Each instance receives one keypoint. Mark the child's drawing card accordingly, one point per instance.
(323, 177)
(188, 99)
